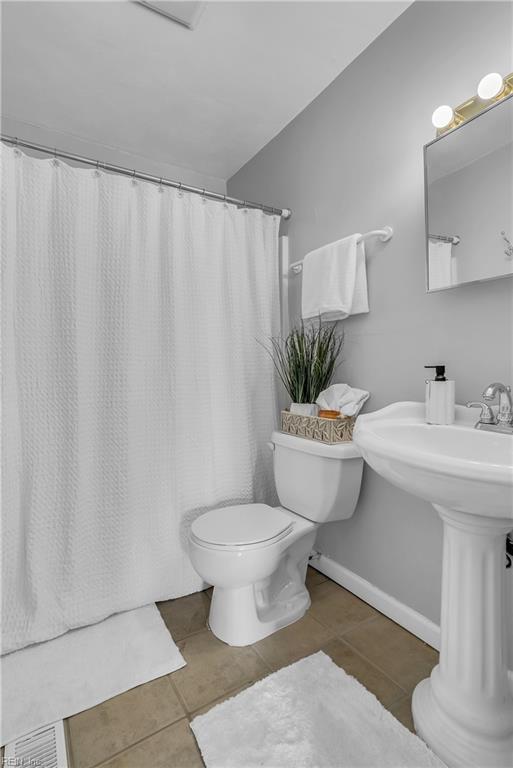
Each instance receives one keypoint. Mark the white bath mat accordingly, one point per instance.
(53, 680)
(308, 715)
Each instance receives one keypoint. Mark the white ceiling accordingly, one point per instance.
(118, 74)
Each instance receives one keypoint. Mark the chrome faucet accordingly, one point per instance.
(505, 413)
(503, 421)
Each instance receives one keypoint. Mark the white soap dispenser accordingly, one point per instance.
(439, 397)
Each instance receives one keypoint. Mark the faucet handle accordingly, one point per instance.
(486, 416)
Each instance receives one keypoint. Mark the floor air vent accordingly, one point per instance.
(44, 748)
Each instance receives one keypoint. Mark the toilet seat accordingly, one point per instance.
(242, 525)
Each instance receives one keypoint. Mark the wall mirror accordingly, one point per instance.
(469, 200)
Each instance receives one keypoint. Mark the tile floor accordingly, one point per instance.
(149, 725)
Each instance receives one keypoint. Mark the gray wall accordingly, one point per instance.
(352, 161)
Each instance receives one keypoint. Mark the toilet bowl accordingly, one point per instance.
(256, 556)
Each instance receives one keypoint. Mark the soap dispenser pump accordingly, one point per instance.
(439, 397)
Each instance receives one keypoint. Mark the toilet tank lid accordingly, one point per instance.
(315, 447)
(241, 524)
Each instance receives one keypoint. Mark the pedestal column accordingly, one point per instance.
(465, 710)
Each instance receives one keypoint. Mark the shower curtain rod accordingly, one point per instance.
(285, 213)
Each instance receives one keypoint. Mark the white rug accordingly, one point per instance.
(308, 715)
(49, 681)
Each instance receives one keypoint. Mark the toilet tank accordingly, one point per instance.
(317, 481)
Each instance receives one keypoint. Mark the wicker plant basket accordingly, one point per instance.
(313, 428)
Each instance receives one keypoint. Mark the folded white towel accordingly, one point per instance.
(341, 397)
(442, 265)
(335, 280)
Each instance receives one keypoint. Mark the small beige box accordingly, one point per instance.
(313, 428)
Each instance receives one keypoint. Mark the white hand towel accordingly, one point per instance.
(442, 265)
(335, 280)
(341, 397)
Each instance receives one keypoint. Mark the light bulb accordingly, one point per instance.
(442, 116)
(490, 86)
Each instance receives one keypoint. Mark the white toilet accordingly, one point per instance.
(256, 556)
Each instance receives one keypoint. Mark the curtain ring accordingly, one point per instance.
(133, 181)
(55, 161)
(160, 185)
(203, 198)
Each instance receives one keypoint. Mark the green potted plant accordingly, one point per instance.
(306, 361)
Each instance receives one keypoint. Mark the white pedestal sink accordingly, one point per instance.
(464, 711)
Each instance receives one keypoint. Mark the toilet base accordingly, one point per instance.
(241, 617)
(244, 613)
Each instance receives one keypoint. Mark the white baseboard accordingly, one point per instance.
(402, 614)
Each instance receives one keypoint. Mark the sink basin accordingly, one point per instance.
(457, 466)
(464, 711)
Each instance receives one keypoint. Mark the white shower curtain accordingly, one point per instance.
(136, 394)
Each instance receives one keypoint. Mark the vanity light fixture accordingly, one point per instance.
(492, 87)
(444, 117)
